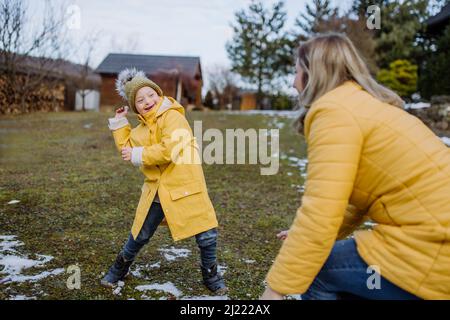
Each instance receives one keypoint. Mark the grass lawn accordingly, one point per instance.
(78, 198)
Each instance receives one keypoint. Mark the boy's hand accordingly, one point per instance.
(282, 235)
(126, 153)
(121, 112)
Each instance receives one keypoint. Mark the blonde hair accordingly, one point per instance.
(327, 61)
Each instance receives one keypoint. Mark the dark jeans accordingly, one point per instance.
(206, 241)
(346, 276)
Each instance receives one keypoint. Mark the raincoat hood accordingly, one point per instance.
(165, 104)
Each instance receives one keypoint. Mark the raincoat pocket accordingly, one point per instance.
(185, 191)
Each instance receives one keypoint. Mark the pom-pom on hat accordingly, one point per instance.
(130, 81)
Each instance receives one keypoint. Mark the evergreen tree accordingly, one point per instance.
(317, 12)
(401, 24)
(434, 75)
(260, 50)
(209, 100)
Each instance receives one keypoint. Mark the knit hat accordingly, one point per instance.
(130, 81)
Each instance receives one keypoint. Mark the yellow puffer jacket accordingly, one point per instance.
(388, 166)
(181, 186)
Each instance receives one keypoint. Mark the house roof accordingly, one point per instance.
(150, 64)
(57, 68)
(439, 20)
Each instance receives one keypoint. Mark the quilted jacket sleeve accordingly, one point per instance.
(334, 146)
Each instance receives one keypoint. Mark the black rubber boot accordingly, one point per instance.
(117, 272)
(213, 280)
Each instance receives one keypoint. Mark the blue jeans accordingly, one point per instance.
(206, 241)
(346, 276)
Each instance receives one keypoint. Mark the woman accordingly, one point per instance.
(367, 159)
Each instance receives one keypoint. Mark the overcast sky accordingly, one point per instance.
(167, 27)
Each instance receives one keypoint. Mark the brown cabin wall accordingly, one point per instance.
(109, 98)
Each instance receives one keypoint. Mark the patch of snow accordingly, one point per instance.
(249, 261)
(167, 287)
(8, 243)
(446, 140)
(276, 123)
(221, 269)
(21, 297)
(156, 265)
(171, 254)
(417, 105)
(297, 162)
(291, 114)
(14, 262)
(118, 289)
(300, 188)
(137, 271)
(34, 278)
(302, 165)
(206, 298)
(14, 201)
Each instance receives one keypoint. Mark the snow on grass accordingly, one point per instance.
(249, 261)
(172, 253)
(294, 297)
(137, 271)
(417, 105)
(8, 243)
(297, 162)
(446, 140)
(118, 289)
(167, 287)
(302, 165)
(33, 278)
(221, 269)
(21, 297)
(13, 262)
(275, 123)
(206, 298)
(291, 114)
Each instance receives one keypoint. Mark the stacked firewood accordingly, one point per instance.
(44, 96)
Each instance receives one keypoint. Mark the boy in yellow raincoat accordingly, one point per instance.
(173, 190)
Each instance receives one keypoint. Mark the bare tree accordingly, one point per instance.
(83, 78)
(222, 83)
(28, 54)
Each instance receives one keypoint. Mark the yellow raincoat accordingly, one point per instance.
(181, 186)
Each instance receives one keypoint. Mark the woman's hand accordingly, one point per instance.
(283, 235)
(269, 294)
(126, 153)
(122, 112)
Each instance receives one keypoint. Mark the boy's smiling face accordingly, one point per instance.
(146, 99)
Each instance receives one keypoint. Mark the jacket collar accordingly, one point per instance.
(164, 104)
